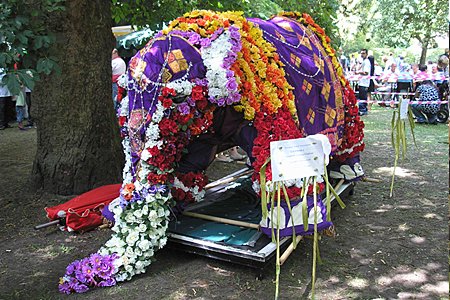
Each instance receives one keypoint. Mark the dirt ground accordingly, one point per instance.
(385, 248)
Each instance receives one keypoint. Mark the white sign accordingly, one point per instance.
(299, 158)
(404, 103)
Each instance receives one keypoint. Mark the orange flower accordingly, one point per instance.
(127, 191)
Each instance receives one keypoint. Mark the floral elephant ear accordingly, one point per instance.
(218, 56)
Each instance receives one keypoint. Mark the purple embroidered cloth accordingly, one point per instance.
(308, 68)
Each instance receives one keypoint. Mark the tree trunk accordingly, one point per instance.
(423, 54)
(78, 142)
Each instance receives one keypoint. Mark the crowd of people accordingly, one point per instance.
(394, 76)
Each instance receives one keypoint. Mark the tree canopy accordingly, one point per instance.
(25, 40)
(395, 24)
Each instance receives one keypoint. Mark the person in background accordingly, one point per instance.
(429, 66)
(30, 123)
(391, 75)
(119, 67)
(352, 63)
(20, 108)
(420, 76)
(344, 62)
(402, 66)
(389, 61)
(5, 98)
(364, 82)
(372, 82)
(414, 70)
(426, 113)
(435, 74)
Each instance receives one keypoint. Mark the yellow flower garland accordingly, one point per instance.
(256, 59)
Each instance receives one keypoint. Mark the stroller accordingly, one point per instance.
(442, 114)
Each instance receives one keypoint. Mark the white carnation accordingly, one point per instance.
(142, 228)
(132, 238)
(144, 245)
(152, 216)
(138, 213)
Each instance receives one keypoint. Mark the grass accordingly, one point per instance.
(378, 125)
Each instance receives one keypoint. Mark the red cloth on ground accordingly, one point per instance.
(84, 212)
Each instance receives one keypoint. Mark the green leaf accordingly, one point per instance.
(12, 82)
(26, 79)
(37, 43)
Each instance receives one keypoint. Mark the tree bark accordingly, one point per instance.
(78, 142)
(423, 54)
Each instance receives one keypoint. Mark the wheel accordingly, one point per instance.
(442, 116)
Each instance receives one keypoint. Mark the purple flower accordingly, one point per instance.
(205, 43)
(71, 267)
(229, 101)
(221, 102)
(95, 259)
(234, 32)
(229, 74)
(194, 39)
(105, 271)
(190, 101)
(65, 288)
(227, 62)
(107, 282)
(235, 97)
(80, 288)
(183, 108)
(202, 82)
(88, 272)
(231, 84)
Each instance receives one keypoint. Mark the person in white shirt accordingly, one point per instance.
(119, 67)
(5, 98)
(389, 61)
(364, 82)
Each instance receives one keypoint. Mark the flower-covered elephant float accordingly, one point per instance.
(207, 82)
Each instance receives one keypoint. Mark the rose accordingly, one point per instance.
(197, 93)
(167, 102)
(201, 105)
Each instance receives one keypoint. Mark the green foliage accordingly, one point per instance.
(400, 21)
(324, 13)
(24, 41)
(148, 13)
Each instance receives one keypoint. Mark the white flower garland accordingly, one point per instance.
(213, 57)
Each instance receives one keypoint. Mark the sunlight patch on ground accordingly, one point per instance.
(440, 287)
(432, 216)
(178, 295)
(418, 240)
(220, 271)
(399, 171)
(407, 279)
(403, 227)
(358, 283)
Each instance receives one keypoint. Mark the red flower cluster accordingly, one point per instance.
(190, 180)
(175, 129)
(199, 96)
(273, 127)
(154, 178)
(353, 126)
